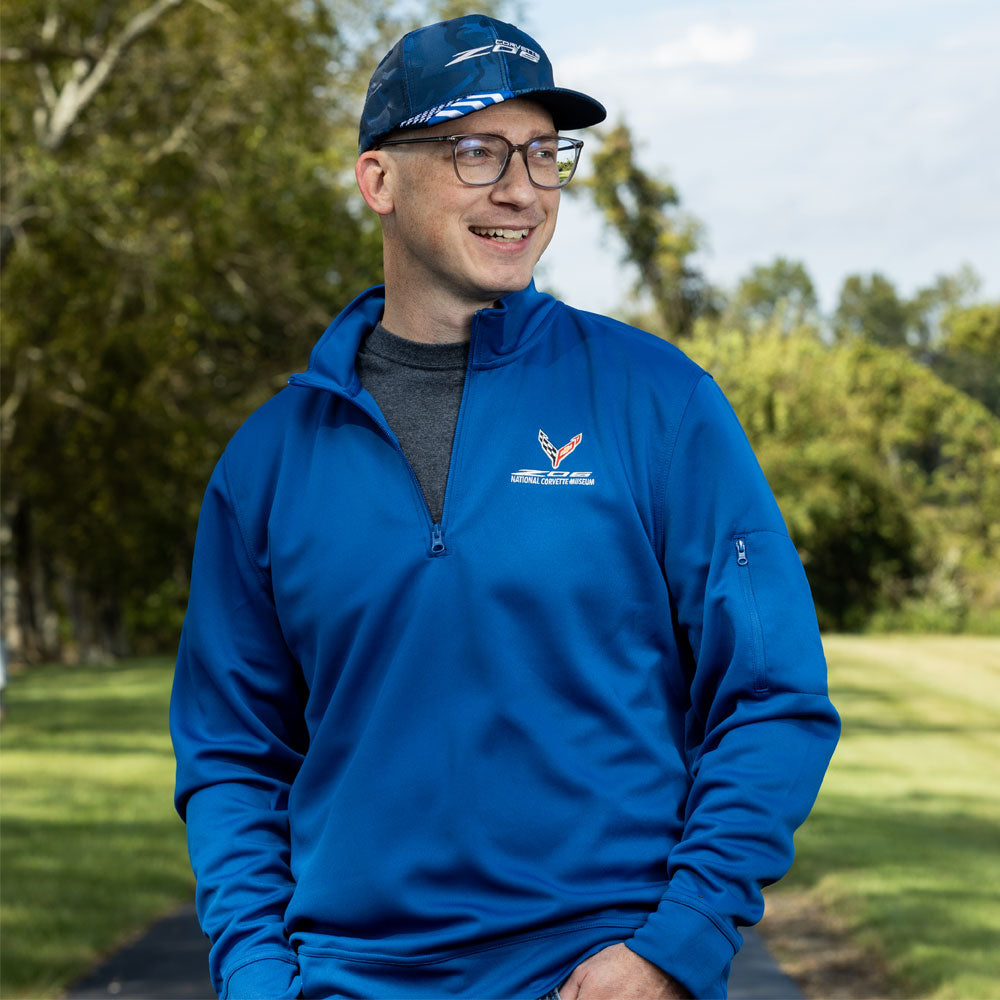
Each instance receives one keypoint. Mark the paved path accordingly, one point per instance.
(171, 963)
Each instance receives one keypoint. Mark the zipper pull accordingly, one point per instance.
(437, 539)
(741, 552)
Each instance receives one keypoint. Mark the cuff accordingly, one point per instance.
(689, 944)
(264, 979)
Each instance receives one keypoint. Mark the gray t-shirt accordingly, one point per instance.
(418, 388)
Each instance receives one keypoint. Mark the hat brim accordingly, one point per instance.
(569, 108)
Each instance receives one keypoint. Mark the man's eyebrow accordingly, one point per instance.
(505, 134)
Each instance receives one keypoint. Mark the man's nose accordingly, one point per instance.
(515, 185)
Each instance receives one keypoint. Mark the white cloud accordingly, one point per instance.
(706, 44)
(699, 45)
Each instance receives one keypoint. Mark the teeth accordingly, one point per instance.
(511, 235)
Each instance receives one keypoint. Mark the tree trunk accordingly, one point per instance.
(47, 615)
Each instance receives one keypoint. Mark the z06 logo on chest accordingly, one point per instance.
(555, 477)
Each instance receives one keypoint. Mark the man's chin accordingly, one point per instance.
(509, 287)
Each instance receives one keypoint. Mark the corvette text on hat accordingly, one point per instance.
(511, 48)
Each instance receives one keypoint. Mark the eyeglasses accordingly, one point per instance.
(482, 159)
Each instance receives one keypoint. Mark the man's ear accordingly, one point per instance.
(371, 170)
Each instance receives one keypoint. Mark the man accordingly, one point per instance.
(500, 673)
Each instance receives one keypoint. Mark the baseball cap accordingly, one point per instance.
(453, 68)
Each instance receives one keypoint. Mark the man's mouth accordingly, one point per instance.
(501, 235)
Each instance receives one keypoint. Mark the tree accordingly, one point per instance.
(180, 223)
(889, 479)
(178, 235)
(968, 355)
(659, 239)
(781, 292)
(930, 307)
(871, 307)
(63, 99)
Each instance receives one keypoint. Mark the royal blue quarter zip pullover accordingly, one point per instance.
(588, 706)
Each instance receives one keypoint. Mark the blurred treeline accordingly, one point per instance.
(180, 223)
(878, 426)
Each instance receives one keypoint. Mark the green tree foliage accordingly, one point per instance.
(888, 472)
(871, 307)
(780, 292)
(931, 306)
(889, 479)
(180, 223)
(659, 239)
(968, 355)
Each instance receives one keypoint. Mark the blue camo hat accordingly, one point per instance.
(452, 68)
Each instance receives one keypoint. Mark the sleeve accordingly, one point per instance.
(237, 723)
(760, 729)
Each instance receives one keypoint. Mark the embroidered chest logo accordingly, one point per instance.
(557, 476)
(556, 455)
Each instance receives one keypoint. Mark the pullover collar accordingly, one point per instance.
(498, 335)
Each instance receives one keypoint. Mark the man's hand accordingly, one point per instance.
(618, 973)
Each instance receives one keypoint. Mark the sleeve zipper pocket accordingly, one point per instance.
(756, 629)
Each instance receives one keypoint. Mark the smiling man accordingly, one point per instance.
(500, 675)
(450, 248)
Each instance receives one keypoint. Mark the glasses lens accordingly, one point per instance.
(479, 159)
(552, 161)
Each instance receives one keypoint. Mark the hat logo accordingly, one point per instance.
(508, 48)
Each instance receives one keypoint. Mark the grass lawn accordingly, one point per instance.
(904, 843)
(92, 850)
(903, 846)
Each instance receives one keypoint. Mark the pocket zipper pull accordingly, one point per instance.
(741, 552)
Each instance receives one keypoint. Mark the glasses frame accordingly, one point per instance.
(512, 148)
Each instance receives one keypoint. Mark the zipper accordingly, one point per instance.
(437, 545)
(437, 538)
(756, 629)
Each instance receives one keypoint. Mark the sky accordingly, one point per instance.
(854, 136)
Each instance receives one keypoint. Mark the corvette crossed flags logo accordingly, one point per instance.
(556, 455)
(557, 477)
